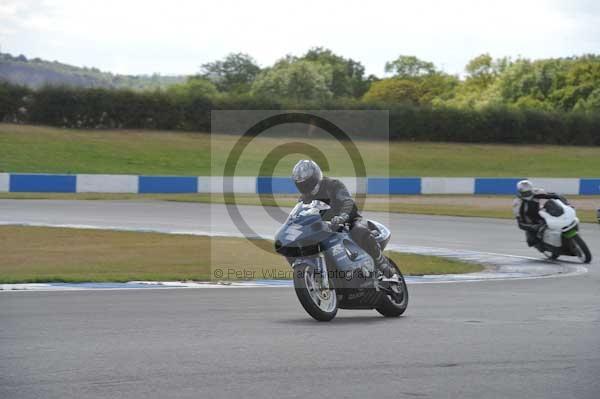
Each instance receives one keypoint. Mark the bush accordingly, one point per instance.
(105, 109)
(13, 102)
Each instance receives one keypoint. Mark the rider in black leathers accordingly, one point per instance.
(313, 186)
(526, 210)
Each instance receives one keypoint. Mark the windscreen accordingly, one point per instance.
(301, 209)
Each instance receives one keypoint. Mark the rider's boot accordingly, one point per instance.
(386, 273)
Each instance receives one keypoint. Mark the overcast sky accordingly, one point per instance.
(177, 36)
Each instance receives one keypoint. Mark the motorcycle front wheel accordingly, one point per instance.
(394, 304)
(581, 249)
(317, 298)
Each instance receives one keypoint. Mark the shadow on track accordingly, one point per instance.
(340, 319)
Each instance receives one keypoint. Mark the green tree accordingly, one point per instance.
(295, 80)
(581, 86)
(436, 87)
(480, 88)
(408, 66)
(591, 103)
(347, 75)
(394, 90)
(530, 81)
(235, 73)
(423, 90)
(481, 71)
(195, 87)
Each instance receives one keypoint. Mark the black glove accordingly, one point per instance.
(338, 221)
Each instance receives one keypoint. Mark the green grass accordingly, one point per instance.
(421, 265)
(45, 254)
(43, 149)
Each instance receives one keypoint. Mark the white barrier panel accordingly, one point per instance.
(447, 185)
(555, 185)
(107, 184)
(4, 182)
(215, 184)
(352, 183)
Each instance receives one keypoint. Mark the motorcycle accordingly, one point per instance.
(561, 233)
(331, 271)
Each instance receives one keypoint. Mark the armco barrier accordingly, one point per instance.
(447, 185)
(43, 183)
(16, 182)
(495, 185)
(4, 182)
(589, 187)
(394, 185)
(275, 185)
(167, 184)
(107, 184)
(219, 184)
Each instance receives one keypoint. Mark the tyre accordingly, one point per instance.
(319, 301)
(581, 249)
(393, 305)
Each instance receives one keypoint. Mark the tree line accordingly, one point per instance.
(320, 75)
(561, 84)
(498, 100)
(165, 110)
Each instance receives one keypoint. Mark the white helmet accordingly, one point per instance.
(307, 176)
(525, 189)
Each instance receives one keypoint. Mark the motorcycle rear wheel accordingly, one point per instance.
(320, 302)
(394, 306)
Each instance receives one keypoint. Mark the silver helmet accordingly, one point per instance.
(525, 189)
(307, 176)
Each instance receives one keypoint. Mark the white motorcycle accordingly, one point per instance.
(561, 234)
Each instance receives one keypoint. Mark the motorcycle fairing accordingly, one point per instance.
(563, 222)
(553, 238)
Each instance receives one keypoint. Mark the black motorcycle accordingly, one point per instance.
(331, 271)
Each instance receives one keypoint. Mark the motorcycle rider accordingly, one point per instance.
(311, 183)
(526, 210)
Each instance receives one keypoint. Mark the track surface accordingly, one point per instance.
(525, 338)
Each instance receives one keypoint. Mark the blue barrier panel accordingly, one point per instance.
(167, 184)
(496, 185)
(275, 185)
(394, 185)
(589, 187)
(23, 183)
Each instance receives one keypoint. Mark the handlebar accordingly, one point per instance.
(345, 226)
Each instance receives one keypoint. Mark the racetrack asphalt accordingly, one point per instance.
(536, 338)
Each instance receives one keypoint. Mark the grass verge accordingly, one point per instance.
(46, 254)
(25, 148)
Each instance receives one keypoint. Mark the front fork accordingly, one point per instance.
(322, 266)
